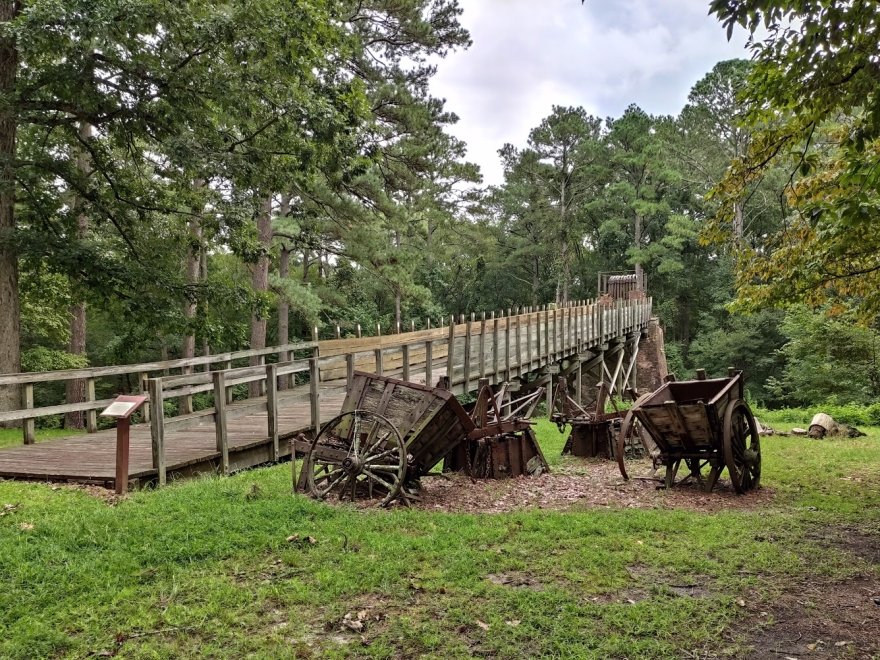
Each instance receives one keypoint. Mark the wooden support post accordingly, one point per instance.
(349, 369)
(221, 431)
(405, 353)
(315, 393)
(450, 350)
(358, 331)
(507, 374)
(579, 382)
(186, 401)
(338, 332)
(482, 348)
(157, 427)
(120, 481)
(547, 336)
(28, 426)
(272, 410)
(261, 362)
(519, 359)
(142, 388)
(701, 374)
(377, 353)
(229, 391)
(429, 363)
(540, 355)
(467, 355)
(529, 342)
(495, 322)
(91, 415)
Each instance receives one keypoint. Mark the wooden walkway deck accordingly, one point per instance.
(91, 458)
(511, 347)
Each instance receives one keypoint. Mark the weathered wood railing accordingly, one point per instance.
(498, 346)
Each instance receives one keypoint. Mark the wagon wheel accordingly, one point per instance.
(630, 426)
(742, 447)
(358, 453)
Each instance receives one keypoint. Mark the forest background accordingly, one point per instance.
(185, 180)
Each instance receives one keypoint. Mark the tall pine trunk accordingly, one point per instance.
(10, 347)
(75, 390)
(283, 304)
(260, 284)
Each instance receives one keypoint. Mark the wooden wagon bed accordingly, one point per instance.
(391, 432)
(703, 422)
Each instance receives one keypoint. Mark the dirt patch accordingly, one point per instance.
(586, 484)
(822, 618)
(859, 542)
(516, 580)
(106, 495)
(818, 620)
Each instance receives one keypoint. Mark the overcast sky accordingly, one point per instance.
(529, 55)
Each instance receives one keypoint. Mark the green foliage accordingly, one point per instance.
(831, 360)
(40, 358)
(749, 343)
(814, 106)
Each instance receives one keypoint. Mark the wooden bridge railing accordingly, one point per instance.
(496, 346)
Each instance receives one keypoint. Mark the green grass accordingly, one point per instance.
(204, 567)
(13, 437)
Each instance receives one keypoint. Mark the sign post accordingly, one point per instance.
(121, 410)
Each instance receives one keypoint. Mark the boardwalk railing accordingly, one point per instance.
(498, 347)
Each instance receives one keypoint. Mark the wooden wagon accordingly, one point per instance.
(703, 422)
(391, 432)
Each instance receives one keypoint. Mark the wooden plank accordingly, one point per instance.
(315, 394)
(122, 370)
(28, 426)
(272, 409)
(157, 427)
(221, 430)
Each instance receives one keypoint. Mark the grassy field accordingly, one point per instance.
(12, 437)
(231, 567)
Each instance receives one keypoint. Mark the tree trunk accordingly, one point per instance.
(536, 282)
(283, 304)
(637, 241)
(260, 283)
(192, 270)
(75, 390)
(10, 347)
(397, 294)
(203, 276)
(738, 221)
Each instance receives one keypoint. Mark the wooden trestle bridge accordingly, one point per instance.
(295, 386)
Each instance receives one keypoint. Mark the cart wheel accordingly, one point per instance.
(742, 447)
(357, 454)
(629, 427)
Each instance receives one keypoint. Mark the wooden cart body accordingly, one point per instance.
(430, 420)
(391, 432)
(702, 422)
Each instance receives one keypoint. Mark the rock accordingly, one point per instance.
(798, 431)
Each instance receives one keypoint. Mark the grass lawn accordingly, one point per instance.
(13, 438)
(207, 567)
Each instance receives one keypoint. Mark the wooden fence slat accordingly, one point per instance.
(220, 427)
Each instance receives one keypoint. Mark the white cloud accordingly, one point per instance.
(603, 55)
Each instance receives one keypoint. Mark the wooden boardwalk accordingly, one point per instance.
(91, 458)
(528, 347)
